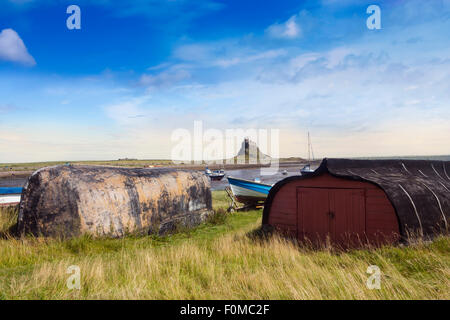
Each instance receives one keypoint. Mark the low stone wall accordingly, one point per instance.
(68, 201)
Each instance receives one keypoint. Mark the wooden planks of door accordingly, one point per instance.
(337, 214)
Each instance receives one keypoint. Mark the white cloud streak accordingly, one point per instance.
(375, 94)
(13, 49)
(290, 29)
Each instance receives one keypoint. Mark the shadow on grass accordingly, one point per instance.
(266, 234)
(219, 217)
(10, 233)
(262, 234)
(8, 222)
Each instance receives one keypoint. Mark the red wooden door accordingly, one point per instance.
(336, 213)
(347, 216)
(313, 207)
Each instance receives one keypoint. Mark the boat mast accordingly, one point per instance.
(310, 149)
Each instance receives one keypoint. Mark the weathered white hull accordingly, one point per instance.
(247, 191)
(9, 200)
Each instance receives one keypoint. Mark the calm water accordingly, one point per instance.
(13, 181)
(249, 174)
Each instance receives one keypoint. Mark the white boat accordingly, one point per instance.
(247, 191)
(10, 196)
(306, 170)
(9, 200)
(215, 175)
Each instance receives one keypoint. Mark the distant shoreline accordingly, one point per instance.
(24, 170)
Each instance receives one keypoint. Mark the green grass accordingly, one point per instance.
(31, 166)
(131, 163)
(216, 260)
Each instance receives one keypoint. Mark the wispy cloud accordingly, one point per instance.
(361, 98)
(127, 112)
(13, 49)
(289, 29)
(223, 54)
(359, 92)
(164, 78)
(265, 55)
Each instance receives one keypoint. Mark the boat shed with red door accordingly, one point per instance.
(348, 201)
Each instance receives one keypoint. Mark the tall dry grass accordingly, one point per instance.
(233, 267)
(8, 220)
(225, 263)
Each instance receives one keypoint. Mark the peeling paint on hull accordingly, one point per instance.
(106, 201)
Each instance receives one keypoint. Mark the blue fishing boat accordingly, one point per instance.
(247, 191)
(8, 190)
(10, 196)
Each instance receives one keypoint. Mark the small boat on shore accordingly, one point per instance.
(10, 196)
(306, 170)
(215, 175)
(247, 191)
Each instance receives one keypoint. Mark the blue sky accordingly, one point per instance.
(138, 70)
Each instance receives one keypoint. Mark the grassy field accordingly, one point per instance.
(130, 163)
(220, 259)
(31, 166)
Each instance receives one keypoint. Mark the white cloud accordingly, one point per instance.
(13, 49)
(354, 102)
(128, 112)
(270, 54)
(223, 54)
(373, 95)
(196, 52)
(288, 30)
(164, 78)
